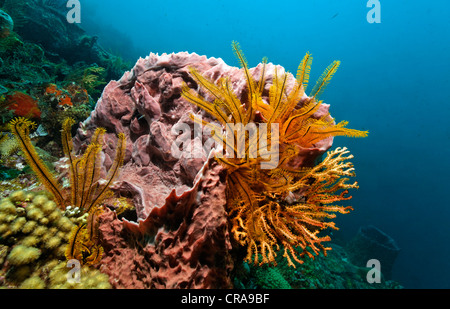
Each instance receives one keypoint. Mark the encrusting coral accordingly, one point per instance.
(283, 203)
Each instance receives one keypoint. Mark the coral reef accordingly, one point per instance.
(40, 22)
(181, 217)
(43, 52)
(170, 227)
(270, 278)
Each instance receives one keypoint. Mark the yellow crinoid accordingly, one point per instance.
(87, 189)
(259, 187)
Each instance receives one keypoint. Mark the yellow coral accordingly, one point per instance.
(29, 241)
(54, 216)
(18, 224)
(40, 230)
(7, 207)
(33, 250)
(90, 278)
(53, 242)
(17, 196)
(48, 207)
(22, 255)
(35, 214)
(40, 200)
(29, 227)
(33, 283)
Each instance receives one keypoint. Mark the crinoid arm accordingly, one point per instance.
(325, 79)
(304, 70)
(244, 64)
(88, 190)
(20, 127)
(98, 191)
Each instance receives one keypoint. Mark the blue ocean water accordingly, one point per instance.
(393, 81)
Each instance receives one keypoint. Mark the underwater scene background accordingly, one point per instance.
(393, 82)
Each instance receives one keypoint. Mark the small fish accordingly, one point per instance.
(40, 131)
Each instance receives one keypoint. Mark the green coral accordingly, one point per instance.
(270, 278)
(34, 234)
(92, 78)
(10, 43)
(23, 62)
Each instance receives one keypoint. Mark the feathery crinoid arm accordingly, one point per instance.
(100, 189)
(20, 127)
(277, 95)
(244, 64)
(292, 127)
(88, 171)
(262, 78)
(66, 139)
(89, 168)
(225, 101)
(253, 93)
(83, 246)
(74, 248)
(320, 129)
(95, 250)
(304, 70)
(196, 99)
(298, 225)
(325, 79)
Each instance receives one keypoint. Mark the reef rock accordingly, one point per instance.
(372, 243)
(179, 236)
(6, 24)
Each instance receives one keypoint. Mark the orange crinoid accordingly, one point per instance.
(272, 204)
